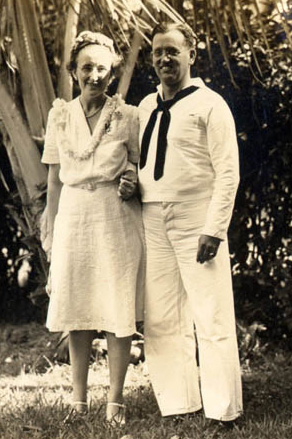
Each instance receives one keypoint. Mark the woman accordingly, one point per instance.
(94, 225)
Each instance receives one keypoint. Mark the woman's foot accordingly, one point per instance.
(77, 412)
(116, 414)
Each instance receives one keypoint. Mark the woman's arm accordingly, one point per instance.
(53, 196)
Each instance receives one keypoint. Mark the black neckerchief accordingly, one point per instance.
(163, 106)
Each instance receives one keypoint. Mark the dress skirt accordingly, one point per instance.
(97, 263)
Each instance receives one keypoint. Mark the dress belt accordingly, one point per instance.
(92, 185)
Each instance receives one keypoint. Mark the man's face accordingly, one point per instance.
(172, 58)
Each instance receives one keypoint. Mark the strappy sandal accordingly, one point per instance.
(75, 415)
(116, 418)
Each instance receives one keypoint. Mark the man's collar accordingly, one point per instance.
(198, 82)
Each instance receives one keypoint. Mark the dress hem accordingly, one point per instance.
(68, 328)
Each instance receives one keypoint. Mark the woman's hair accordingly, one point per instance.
(189, 35)
(87, 38)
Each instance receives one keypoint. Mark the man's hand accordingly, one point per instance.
(207, 248)
(128, 184)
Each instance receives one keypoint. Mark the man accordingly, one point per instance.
(188, 180)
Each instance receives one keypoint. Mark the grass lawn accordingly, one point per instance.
(33, 405)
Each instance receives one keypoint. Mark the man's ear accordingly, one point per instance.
(74, 76)
(193, 55)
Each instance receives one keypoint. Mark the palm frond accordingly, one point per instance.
(249, 37)
(130, 12)
(226, 26)
(33, 172)
(229, 22)
(235, 18)
(283, 23)
(147, 12)
(263, 29)
(3, 181)
(39, 66)
(220, 37)
(167, 9)
(208, 32)
(101, 13)
(125, 38)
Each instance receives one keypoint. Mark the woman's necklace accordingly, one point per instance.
(96, 111)
(88, 116)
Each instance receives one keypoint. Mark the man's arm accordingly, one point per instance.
(223, 149)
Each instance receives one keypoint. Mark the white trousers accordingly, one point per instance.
(180, 293)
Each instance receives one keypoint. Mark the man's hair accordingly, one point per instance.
(165, 26)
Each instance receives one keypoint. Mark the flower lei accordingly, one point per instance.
(110, 113)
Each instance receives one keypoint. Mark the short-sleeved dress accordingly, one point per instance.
(97, 261)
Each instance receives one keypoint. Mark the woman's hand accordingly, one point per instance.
(47, 242)
(46, 235)
(48, 246)
(128, 184)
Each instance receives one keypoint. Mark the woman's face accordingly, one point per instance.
(93, 70)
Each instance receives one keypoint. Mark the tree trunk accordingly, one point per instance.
(65, 82)
(125, 80)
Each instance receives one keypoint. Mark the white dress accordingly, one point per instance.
(97, 263)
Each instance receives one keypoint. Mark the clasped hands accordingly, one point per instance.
(128, 184)
(207, 248)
